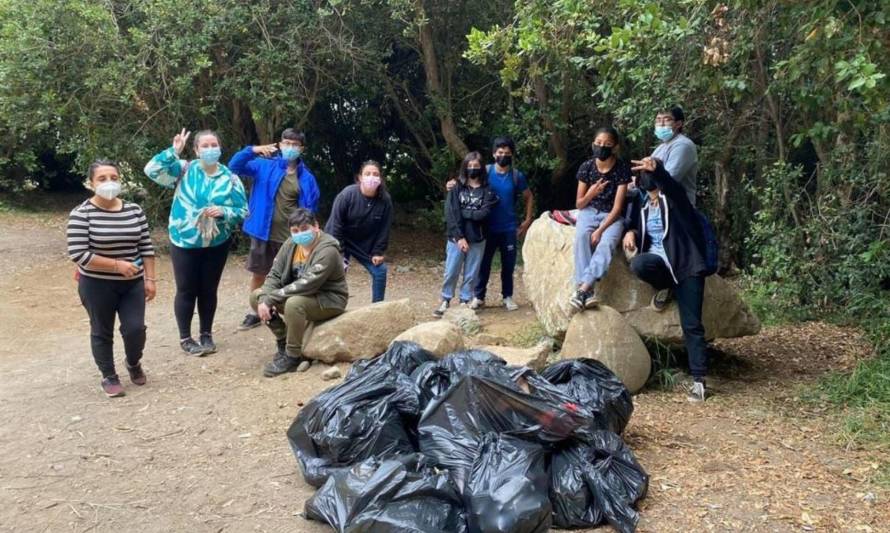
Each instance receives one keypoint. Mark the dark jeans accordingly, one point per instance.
(378, 278)
(506, 243)
(197, 272)
(105, 298)
(690, 294)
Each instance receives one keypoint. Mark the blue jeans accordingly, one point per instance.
(690, 294)
(505, 242)
(454, 260)
(378, 278)
(592, 264)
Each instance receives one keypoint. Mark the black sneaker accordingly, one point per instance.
(191, 347)
(661, 299)
(207, 343)
(582, 300)
(250, 321)
(281, 364)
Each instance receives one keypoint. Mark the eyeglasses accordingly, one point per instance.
(664, 121)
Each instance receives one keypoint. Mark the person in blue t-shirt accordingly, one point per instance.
(501, 227)
(280, 183)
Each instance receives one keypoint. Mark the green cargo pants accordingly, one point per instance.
(291, 322)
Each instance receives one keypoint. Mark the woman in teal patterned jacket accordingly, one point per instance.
(208, 204)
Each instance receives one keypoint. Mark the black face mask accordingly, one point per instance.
(602, 152)
(646, 182)
(474, 173)
(504, 160)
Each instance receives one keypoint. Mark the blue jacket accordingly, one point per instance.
(266, 175)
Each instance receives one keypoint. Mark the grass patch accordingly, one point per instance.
(666, 372)
(528, 336)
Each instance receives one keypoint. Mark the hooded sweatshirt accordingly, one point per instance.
(322, 275)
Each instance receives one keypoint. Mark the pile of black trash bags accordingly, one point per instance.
(412, 443)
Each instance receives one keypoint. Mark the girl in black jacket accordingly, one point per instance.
(466, 207)
(665, 228)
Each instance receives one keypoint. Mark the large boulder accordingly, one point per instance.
(549, 283)
(465, 318)
(359, 333)
(603, 334)
(440, 337)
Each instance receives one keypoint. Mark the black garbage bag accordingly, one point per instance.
(401, 494)
(592, 385)
(371, 416)
(507, 488)
(405, 356)
(452, 425)
(596, 481)
(435, 377)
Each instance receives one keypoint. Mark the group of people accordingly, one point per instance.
(298, 271)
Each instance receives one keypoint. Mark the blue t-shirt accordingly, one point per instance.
(655, 230)
(503, 215)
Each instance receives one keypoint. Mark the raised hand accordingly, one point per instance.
(265, 150)
(179, 141)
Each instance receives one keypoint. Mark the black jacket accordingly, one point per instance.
(684, 241)
(465, 212)
(361, 224)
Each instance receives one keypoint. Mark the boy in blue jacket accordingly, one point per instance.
(280, 183)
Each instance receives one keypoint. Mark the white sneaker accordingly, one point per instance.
(440, 311)
(476, 303)
(510, 304)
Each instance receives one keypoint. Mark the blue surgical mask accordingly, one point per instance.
(211, 155)
(290, 153)
(303, 238)
(664, 133)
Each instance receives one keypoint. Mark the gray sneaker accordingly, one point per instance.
(191, 347)
(661, 299)
(281, 364)
(440, 311)
(509, 304)
(698, 392)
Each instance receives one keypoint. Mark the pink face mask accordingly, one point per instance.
(370, 182)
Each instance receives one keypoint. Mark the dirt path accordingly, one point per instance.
(203, 446)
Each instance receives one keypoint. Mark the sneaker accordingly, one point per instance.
(510, 304)
(191, 347)
(440, 311)
(582, 300)
(476, 303)
(661, 299)
(137, 376)
(280, 364)
(698, 392)
(207, 343)
(112, 387)
(250, 321)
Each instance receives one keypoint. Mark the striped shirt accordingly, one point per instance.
(120, 235)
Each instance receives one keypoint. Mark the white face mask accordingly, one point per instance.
(109, 189)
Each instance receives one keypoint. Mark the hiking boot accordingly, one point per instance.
(440, 311)
(661, 299)
(137, 376)
(207, 343)
(281, 364)
(112, 387)
(698, 392)
(476, 303)
(191, 347)
(509, 304)
(250, 321)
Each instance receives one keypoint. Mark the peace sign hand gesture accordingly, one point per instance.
(179, 141)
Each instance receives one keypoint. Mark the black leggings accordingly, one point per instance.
(197, 272)
(105, 298)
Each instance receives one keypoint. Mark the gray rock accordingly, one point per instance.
(440, 337)
(465, 318)
(360, 333)
(331, 373)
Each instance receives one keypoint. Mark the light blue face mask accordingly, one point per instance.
(664, 133)
(211, 155)
(303, 238)
(290, 153)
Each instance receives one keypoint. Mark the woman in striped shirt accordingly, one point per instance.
(108, 239)
(208, 204)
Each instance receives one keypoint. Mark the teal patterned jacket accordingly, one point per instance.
(194, 192)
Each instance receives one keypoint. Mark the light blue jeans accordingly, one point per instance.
(592, 264)
(454, 260)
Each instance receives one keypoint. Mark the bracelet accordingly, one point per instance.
(150, 279)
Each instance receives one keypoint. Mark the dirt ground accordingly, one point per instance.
(202, 447)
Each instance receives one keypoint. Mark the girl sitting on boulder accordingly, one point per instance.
(466, 207)
(602, 183)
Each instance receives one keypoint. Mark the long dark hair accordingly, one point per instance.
(469, 158)
(370, 163)
(616, 138)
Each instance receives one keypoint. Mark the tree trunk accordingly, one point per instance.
(440, 100)
(557, 140)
